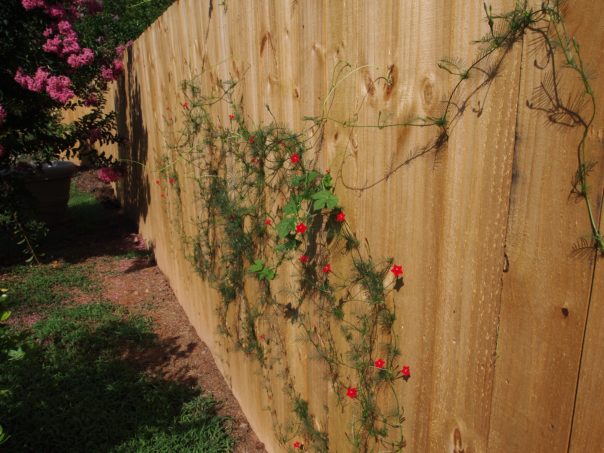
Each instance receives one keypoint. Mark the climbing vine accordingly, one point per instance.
(265, 208)
(273, 238)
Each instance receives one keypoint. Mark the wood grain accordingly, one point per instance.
(546, 293)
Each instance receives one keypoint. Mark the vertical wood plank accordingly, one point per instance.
(547, 290)
(587, 424)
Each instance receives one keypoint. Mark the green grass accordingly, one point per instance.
(76, 390)
(34, 286)
(86, 213)
(133, 254)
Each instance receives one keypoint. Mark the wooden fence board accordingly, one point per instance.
(483, 229)
(588, 426)
(546, 290)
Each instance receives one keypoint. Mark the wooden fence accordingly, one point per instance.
(501, 323)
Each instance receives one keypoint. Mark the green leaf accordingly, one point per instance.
(328, 181)
(291, 208)
(257, 266)
(297, 180)
(3, 436)
(311, 176)
(16, 354)
(324, 199)
(267, 274)
(4, 316)
(286, 226)
(289, 244)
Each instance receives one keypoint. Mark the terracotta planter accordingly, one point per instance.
(50, 188)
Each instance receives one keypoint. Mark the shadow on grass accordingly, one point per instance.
(77, 389)
(92, 228)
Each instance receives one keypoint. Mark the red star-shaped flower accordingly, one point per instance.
(304, 259)
(297, 445)
(406, 371)
(251, 140)
(295, 158)
(397, 270)
(268, 222)
(341, 216)
(185, 105)
(171, 180)
(301, 228)
(231, 116)
(379, 363)
(351, 392)
(327, 268)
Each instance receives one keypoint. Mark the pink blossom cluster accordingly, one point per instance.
(57, 87)
(2, 114)
(111, 73)
(82, 59)
(121, 49)
(37, 83)
(59, 12)
(31, 4)
(56, 11)
(62, 40)
(65, 43)
(108, 174)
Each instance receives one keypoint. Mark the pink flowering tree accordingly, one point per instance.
(58, 55)
(53, 59)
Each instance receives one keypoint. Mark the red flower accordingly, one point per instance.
(397, 270)
(252, 138)
(406, 372)
(231, 116)
(341, 216)
(262, 337)
(301, 228)
(304, 259)
(171, 180)
(297, 445)
(185, 105)
(379, 363)
(268, 221)
(327, 268)
(157, 181)
(295, 158)
(351, 392)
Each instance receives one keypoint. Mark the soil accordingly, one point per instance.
(138, 284)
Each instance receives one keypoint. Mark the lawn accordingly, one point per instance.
(74, 379)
